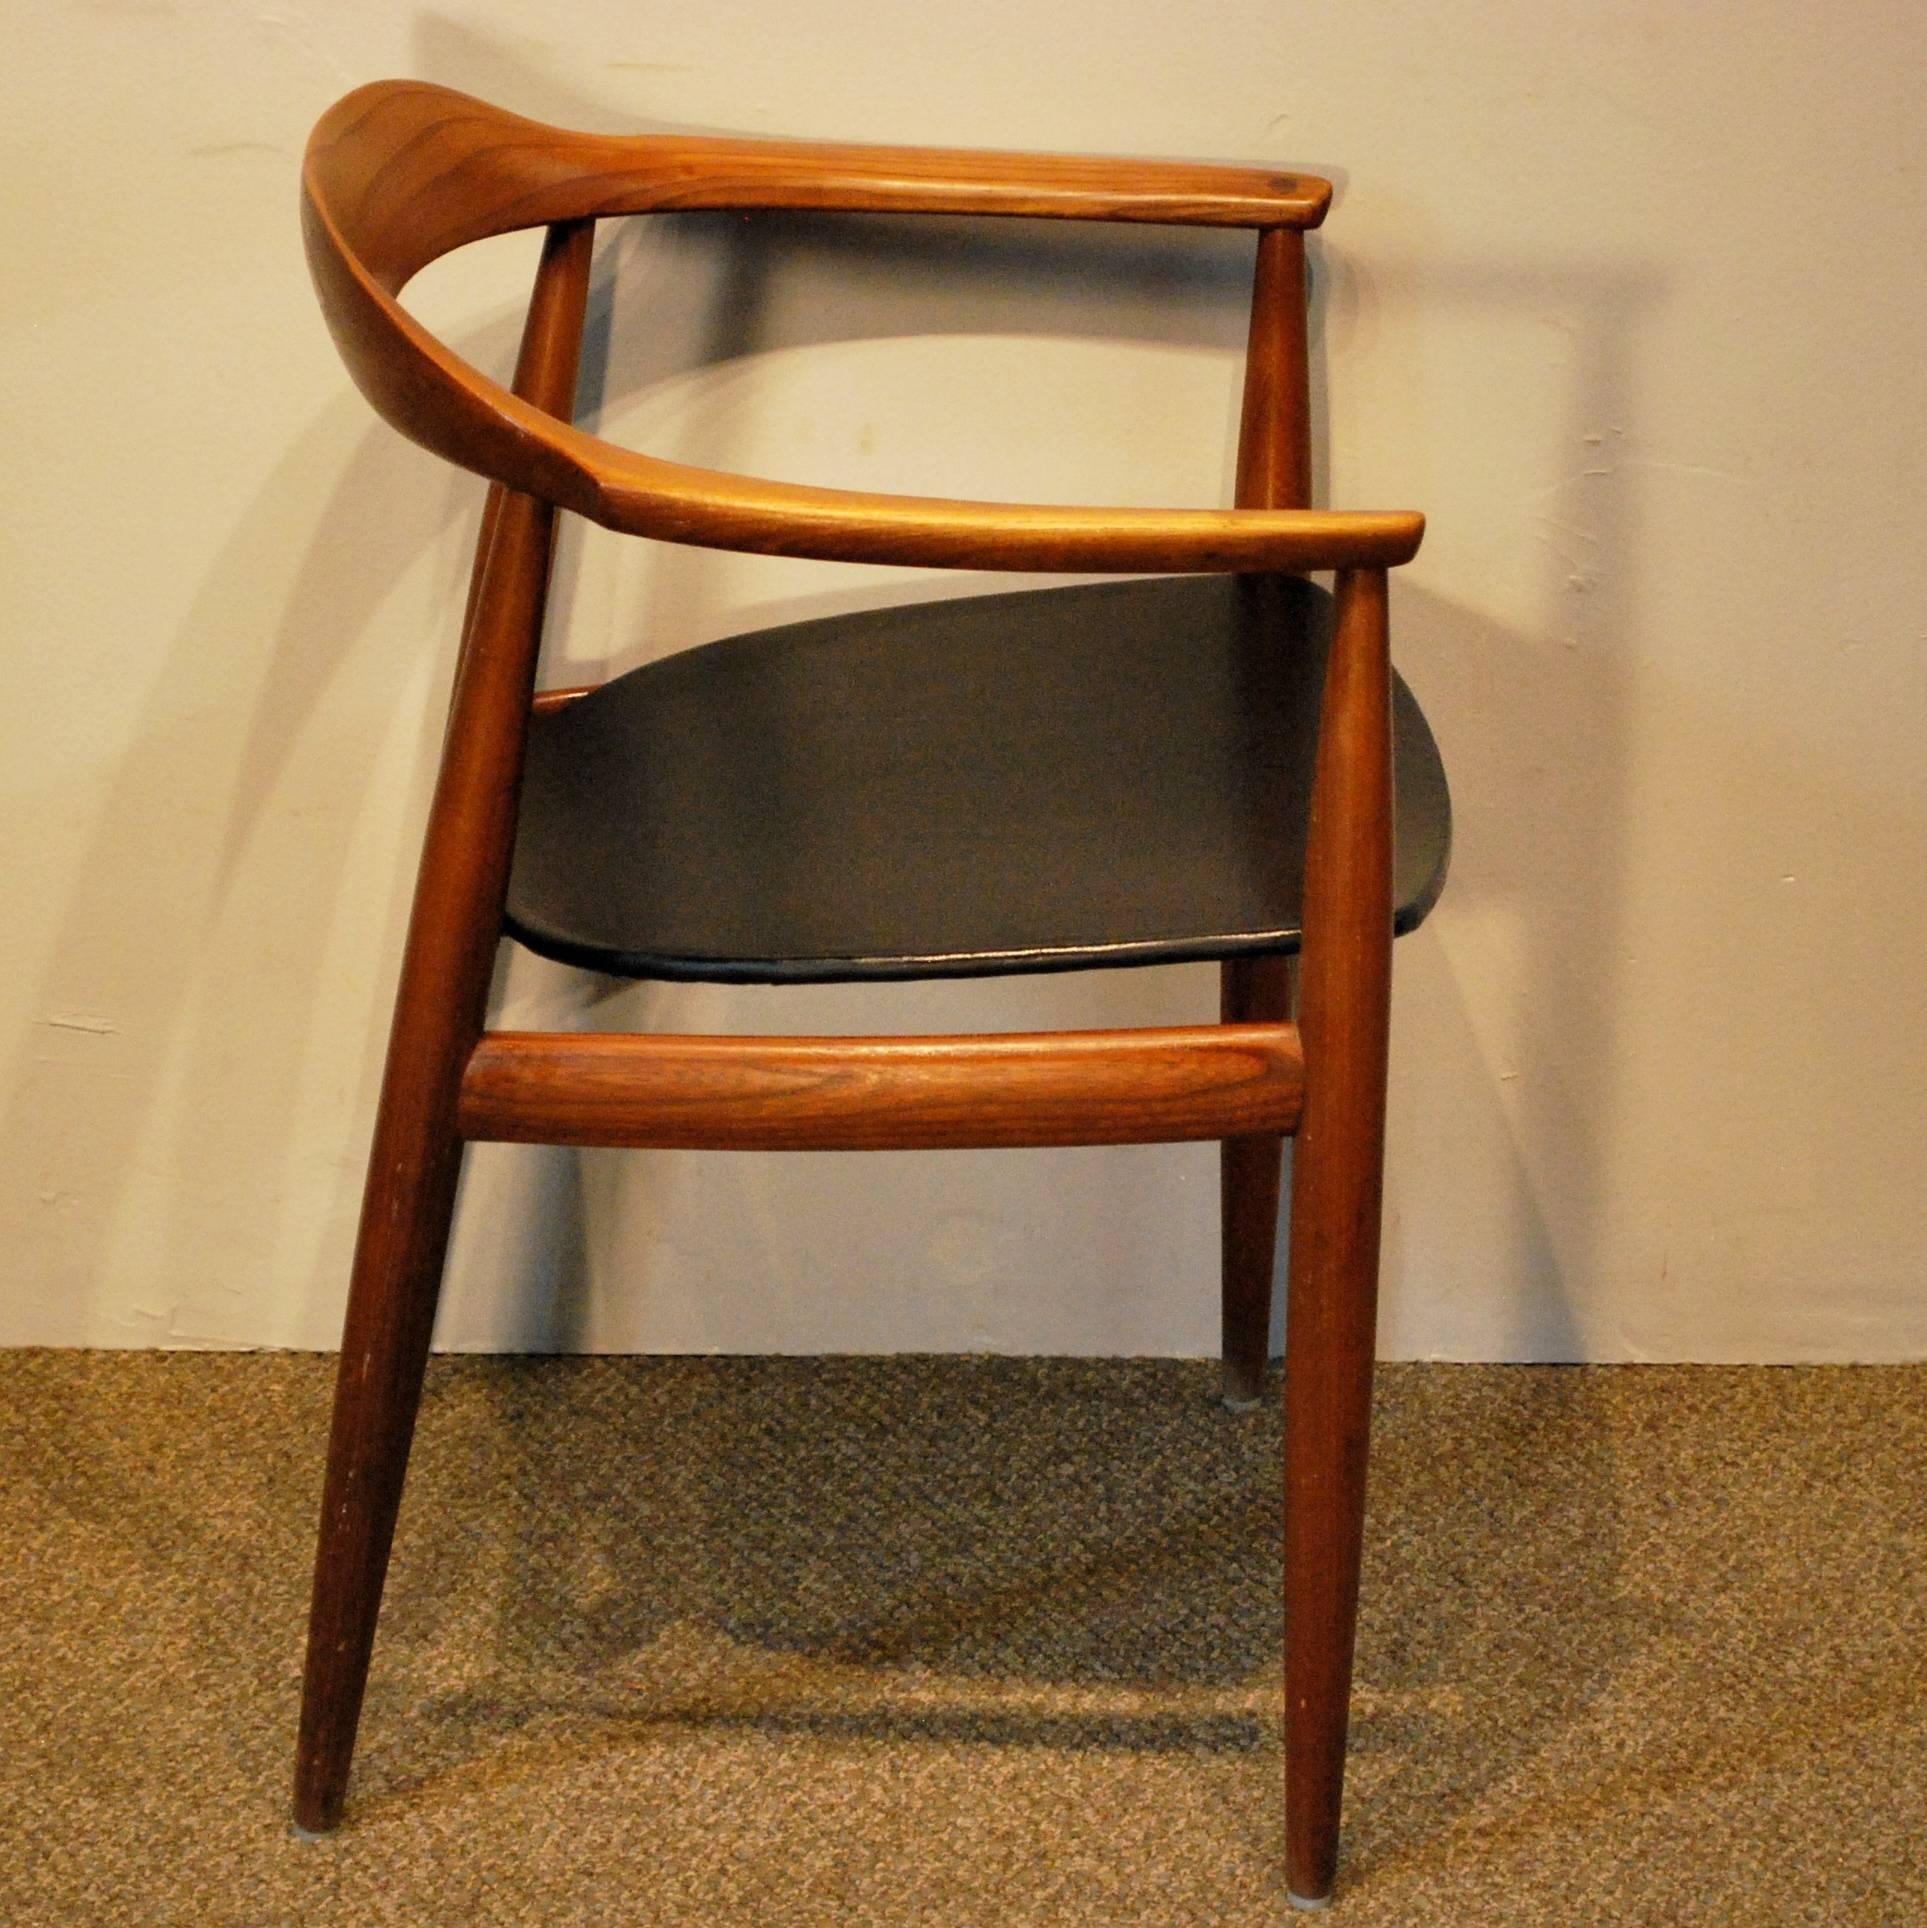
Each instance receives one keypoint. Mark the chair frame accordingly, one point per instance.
(398, 174)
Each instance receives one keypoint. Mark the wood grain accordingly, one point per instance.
(859, 1094)
(1274, 427)
(399, 173)
(1274, 471)
(1344, 1004)
(413, 1166)
(415, 169)
(543, 702)
(1252, 990)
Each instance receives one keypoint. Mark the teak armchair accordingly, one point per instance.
(1200, 766)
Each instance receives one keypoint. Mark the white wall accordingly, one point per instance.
(1628, 297)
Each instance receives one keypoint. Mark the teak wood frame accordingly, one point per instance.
(399, 173)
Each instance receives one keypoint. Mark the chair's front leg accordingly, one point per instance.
(1337, 1167)
(1330, 1319)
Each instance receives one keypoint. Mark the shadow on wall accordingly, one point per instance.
(1545, 877)
(1535, 729)
(213, 1206)
(1537, 732)
(142, 941)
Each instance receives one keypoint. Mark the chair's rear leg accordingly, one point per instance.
(406, 1209)
(409, 1198)
(453, 933)
(1336, 1186)
(1274, 472)
(1253, 990)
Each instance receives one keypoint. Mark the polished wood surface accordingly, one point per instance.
(1344, 1003)
(868, 1094)
(413, 1166)
(1274, 472)
(547, 702)
(1274, 424)
(417, 169)
(399, 173)
(1252, 990)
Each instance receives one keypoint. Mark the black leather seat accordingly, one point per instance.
(1055, 779)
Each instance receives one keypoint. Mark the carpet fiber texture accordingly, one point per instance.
(965, 1641)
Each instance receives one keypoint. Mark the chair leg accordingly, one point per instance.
(1337, 1182)
(440, 1006)
(406, 1211)
(1253, 990)
(1330, 1309)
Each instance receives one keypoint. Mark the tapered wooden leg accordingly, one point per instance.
(1274, 472)
(1253, 990)
(412, 1169)
(1337, 1166)
(1328, 1406)
(406, 1211)
(453, 932)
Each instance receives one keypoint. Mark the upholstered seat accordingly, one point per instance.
(1116, 773)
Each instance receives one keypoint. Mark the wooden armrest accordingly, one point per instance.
(408, 171)
(677, 504)
(399, 173)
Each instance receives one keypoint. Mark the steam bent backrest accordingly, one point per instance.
(400, 173)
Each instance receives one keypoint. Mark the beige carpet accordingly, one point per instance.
(965, 1641)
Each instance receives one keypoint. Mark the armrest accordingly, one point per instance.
(677, 504)
(407, 171)
(399, 173)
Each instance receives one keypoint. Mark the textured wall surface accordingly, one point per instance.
(1627, 299)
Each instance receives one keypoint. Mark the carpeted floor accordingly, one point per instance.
(965, 1641)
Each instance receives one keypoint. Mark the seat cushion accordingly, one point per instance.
(1110, 774)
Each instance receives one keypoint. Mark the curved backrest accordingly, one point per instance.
(400, 173)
